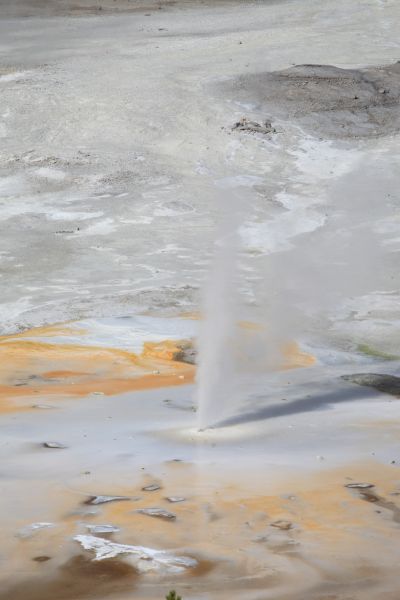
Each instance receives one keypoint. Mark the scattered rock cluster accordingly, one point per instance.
(253, 127)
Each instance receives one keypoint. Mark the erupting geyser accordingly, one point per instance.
(215, 375)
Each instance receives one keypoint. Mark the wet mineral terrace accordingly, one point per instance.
(129, 129)
(109, 489)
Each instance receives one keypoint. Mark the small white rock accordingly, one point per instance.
(160, 513)
(102, 528)
(103, 499)
(175, 499)
(153, 487)
(54, 445)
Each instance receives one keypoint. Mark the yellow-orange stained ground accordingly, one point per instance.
(31, 367)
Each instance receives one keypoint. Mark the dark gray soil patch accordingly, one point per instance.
(388, 384)
(325, 100)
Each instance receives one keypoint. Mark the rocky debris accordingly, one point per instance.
(144, 559)
(41, 558)
(56, 445)
(171, 350)
(159, 513)
(102, 528)
(282, 524)
(174, 499)
(187, 353)
(388, 384)
(324, 100)
(366, 493)
(104, 499)
(30, 530)
(246, 125)
(153, 487)
(359, 486)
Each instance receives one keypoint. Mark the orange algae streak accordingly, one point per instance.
(56, 330)
(31, 368)
(63, 374)
(41, 369)
(295, 358)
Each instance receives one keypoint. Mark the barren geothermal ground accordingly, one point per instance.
(199, 308)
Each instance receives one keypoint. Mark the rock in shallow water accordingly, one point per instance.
(174, 499)
(281, 524)
(54, 445)
(153, 487)
(104, 499)
(388, 384)
(359, 486)
(102, 528)
(144, 559)
(160, 513)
